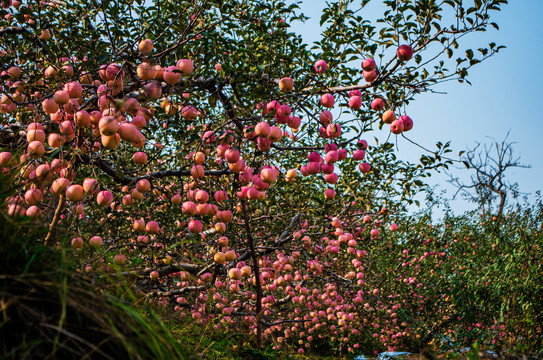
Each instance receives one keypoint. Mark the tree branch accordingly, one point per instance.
(126, 180)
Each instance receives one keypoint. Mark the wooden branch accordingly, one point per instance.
(256, 270)
(126, 180)
(10, 30)
(284, 321)
(182, 41)
(178, 291)
(285, 237)
(167, 270)
(171, 269)
(13, 30)
(55, 220)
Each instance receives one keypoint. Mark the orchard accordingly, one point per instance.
(230, 173)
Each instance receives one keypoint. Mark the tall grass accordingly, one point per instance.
(50, 311)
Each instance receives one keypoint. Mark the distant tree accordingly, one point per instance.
(489, 164)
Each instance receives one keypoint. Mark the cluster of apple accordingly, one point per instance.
(171, 75)
(257, 184)
(404, 122)
(333, 312)
(329, 309)
(186, 214)
(63, 108)
(397, 126)
(316, 164)
(282, 113)
(198, 203)
(7, 105)
(111, 124)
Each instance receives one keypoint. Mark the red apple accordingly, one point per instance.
(59, 186)
(320, 66)
(397, 127)
(333, 130)
(145, 46)
(152, 227)
(143, 186)
(262, 129)
(95, 241)
(201, 196)
(286, 84)
(219, 258)
(195, 226)
(77, 243)
(108, 125)
(355, 102)
(154, 275)
(176, 199)
(186, 66)
(172, 75)
(364, 167)
(49, 106)
(404, 52)
(359, 155)
(140, 158)
(407, 122)
(294, 122)
(327, 100)
(104, 198)
(368, 65)
(268, 175)
(377, 104)
(388, 117)
(35, 149)
(145, 71)
(370, 76)
(188, 208)
(75, 193)
(329, 194)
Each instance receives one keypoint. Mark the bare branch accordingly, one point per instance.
(489, 164)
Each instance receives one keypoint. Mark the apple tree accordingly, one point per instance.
(204, 150)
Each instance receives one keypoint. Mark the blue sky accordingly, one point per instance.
(505, 95)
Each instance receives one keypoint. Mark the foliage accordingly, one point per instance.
(475, 278)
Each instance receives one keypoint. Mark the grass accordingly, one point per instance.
(218, 344)
(50, 311)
